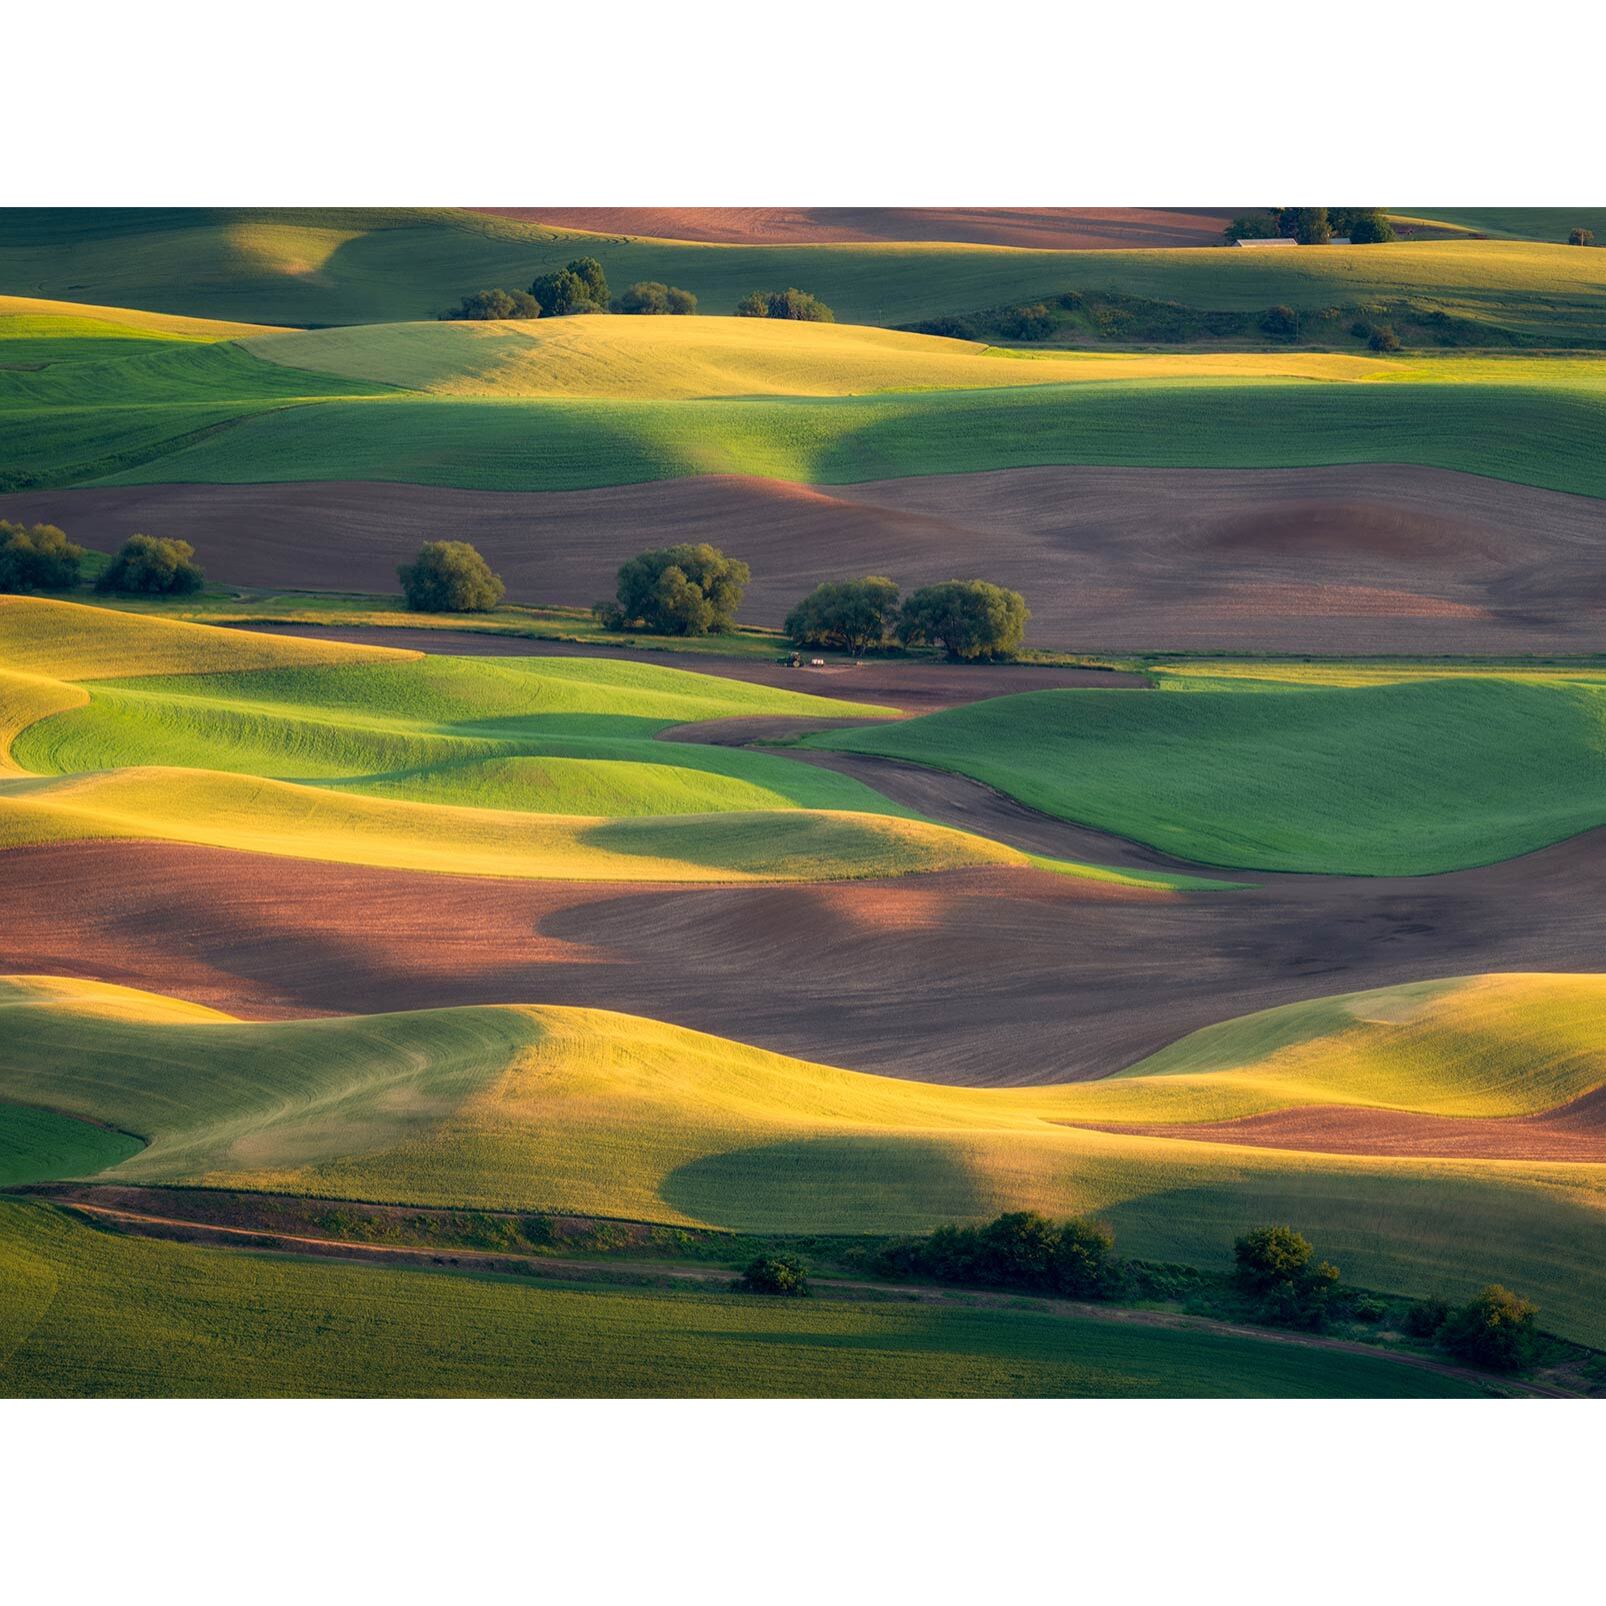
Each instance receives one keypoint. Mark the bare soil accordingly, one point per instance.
(1048, 228)
(1344, 560)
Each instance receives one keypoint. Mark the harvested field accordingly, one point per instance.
(920, 978)
(1383, 559)
(1575, 1132)
(1043, 228)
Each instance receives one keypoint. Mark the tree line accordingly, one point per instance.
(40, 558)
(1314, 225)
(581, 286)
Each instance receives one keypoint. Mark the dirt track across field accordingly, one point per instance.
(1349, 560)
(717, 1280)
(1045, 228)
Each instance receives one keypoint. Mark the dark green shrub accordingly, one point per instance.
(1424, 1318)
(1275, 1266)
(1282, 323)
(38, 558)
(795, 304)
(969, 619)
(648, 296)
(494, 305)
(1495, 1330)
(677, 591)
(776, 1274)
(1384, 339)
(851, 614)
(449, 577)
(949, 328)
(1084, 1263)
(1033, 322)
(1369, 227)
(150, 565)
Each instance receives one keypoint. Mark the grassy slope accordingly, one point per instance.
(1532, 434)
(1394, 779)
(665, 359)
(1550, 224)
(37, 1143)
(308, 267)
(607, 1114)
(89, 1313)
(519, 767)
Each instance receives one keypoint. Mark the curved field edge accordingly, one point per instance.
(84, 1312)
(597, 1113)
(1400, 773)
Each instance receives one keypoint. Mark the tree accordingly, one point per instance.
(1311, 226)
(1274, 1266)
(677, 591)
(1252, 226)
(151, 565)
(449, 577)
(795, 304)
(582, 286)
(851, 614)
(1426, 1317)
(1370, 227)
(1384, 339)
(1495, 1330)
(1581, 237)
(651, 297)
(776, 1274)
(490, 305)
(40, 558)
(1280, 322)
(970, 619)
(1034, 322)
(1084, 1265)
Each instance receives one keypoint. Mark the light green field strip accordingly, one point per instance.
(532, 768)
(308, 267)
(598, 1113)
(92, 1313)
(1406, 778)
(1549, 224)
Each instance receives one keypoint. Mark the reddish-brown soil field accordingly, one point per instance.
(1382, 559)
(1047, 228)
(1576, 1131)
(977, 977)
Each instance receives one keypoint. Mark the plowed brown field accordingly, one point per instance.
(1334, 560)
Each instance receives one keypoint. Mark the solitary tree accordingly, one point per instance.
(151, 565)
(1581, 237)
(489, 305)
(1496, 1329)
(795, 304)
(1384, 339)
(651, 297)
(677, 591)
(1281, 322)
(581, 286)
(1370, 227)
(969, 619)
(1276, 1266)
(40, 558)
(851, 614)
(449, 577)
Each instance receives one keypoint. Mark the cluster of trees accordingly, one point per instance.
(798, 304)
(969, 619)
(775, 1274)
(581, 286)
(1019, 1249)
(37, 558)
(449, 577)
(683, 590)
(1288, 1287)
(1496, 1329)
(1314, 225)
(41, 558)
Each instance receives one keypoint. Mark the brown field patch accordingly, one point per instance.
(1380, 559)
(982, 977)
(1575, 1131)
(1043, 228)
